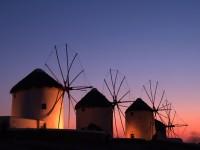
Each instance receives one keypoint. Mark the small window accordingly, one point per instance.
(132, 136)
(45, 126)
(44, 106)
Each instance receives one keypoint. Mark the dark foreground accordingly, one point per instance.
(79, 140)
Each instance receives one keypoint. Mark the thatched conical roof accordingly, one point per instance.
(93, 99)
(139, 105)
(37, 78)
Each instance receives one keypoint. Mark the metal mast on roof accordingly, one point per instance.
(67, 80)
(115, 84)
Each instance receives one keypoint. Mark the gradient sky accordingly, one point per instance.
(144, 39)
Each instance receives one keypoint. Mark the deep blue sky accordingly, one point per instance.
(144, 39)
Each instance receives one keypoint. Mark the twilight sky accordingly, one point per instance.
(144, 39)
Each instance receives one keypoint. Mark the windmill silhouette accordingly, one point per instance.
(156, 100)
(119, 92)
(162, 109)
(173, 121)
(63, 63)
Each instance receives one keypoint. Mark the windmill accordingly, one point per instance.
(156, 99)
(64, 71)
(117, 90)
(173, 121)
(162, 109)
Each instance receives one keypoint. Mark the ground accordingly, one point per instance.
(80, 140)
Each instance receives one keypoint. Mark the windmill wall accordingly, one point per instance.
(36, 103)
(99, 116)
(140, 124)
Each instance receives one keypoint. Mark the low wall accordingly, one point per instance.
(7, 122)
